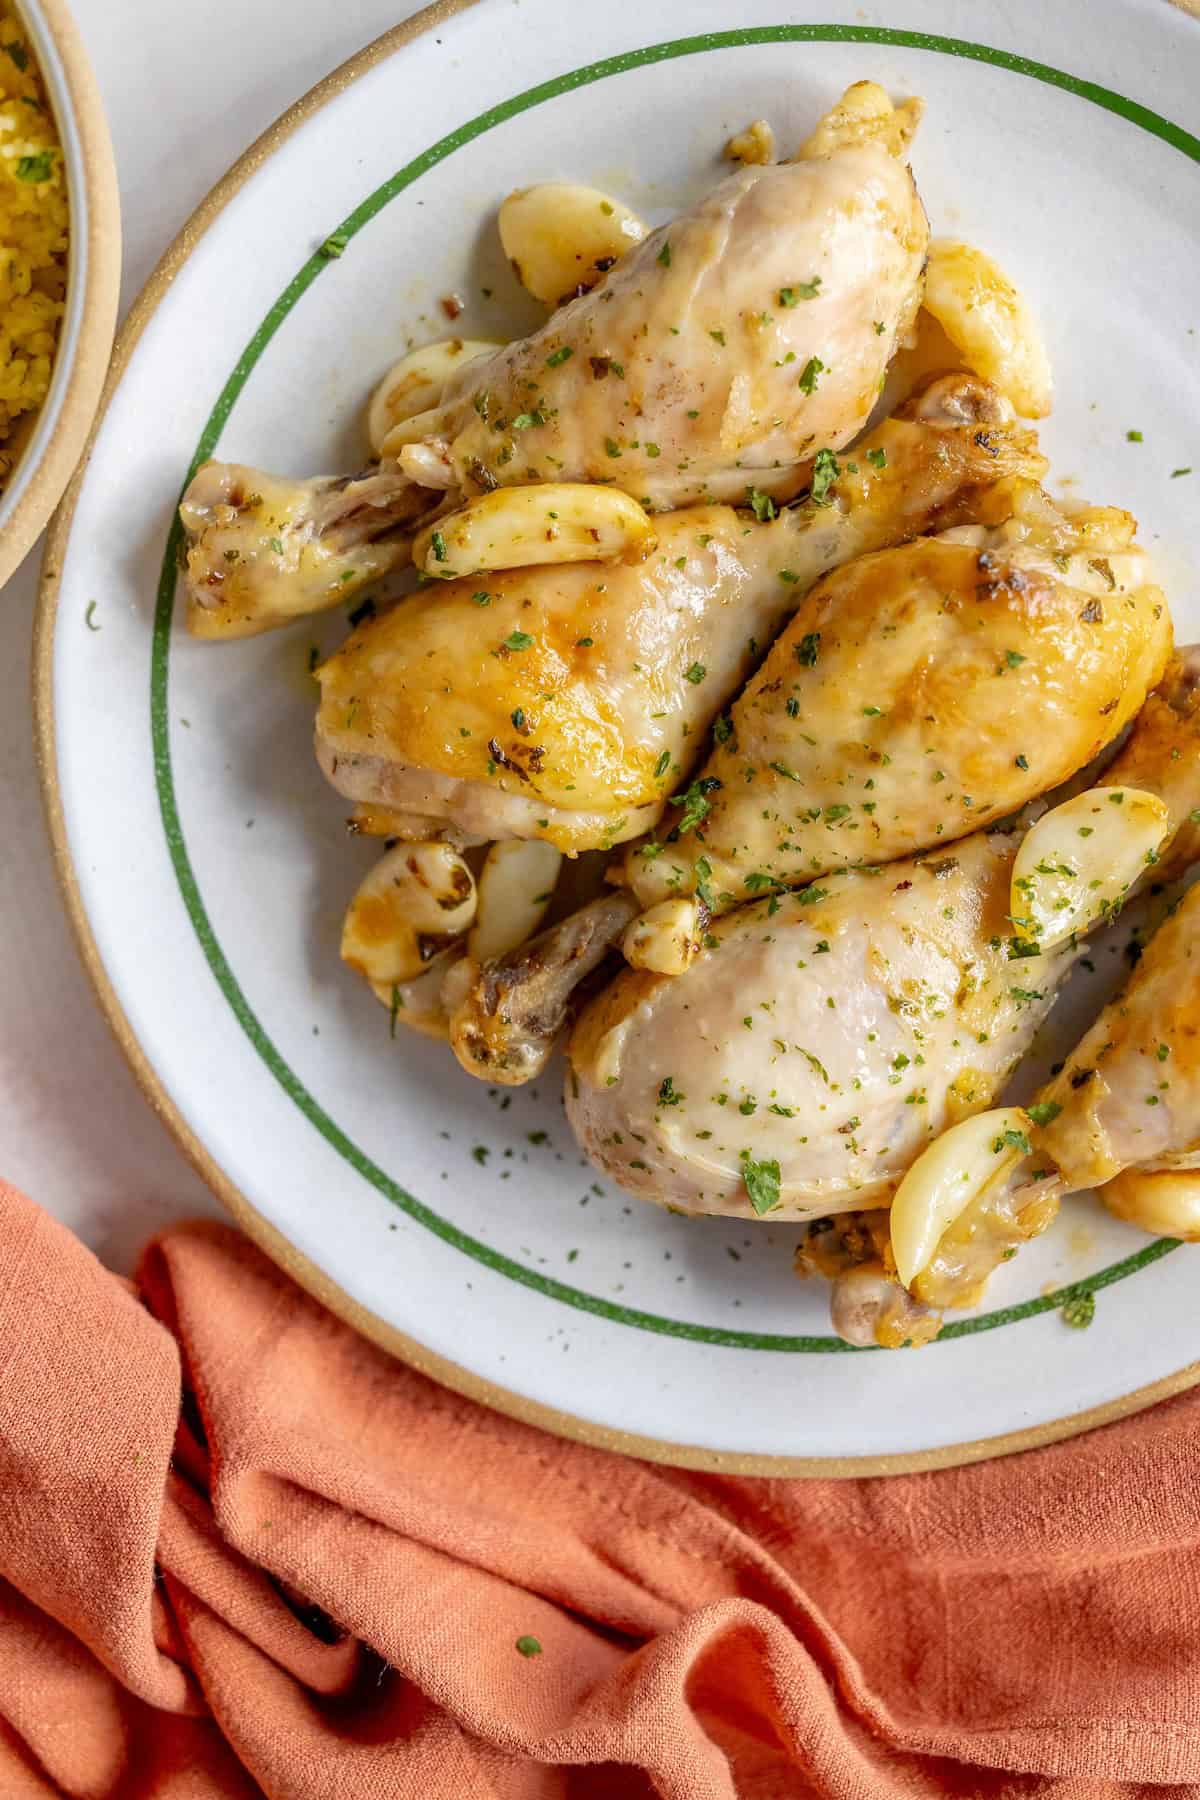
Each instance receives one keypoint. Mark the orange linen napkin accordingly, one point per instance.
(243, 1552)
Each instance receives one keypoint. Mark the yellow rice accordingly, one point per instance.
(33, 235)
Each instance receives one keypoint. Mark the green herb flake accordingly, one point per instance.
(761, 1180)
(481, 597)
(334, 246)
(558, 357)
(662, 765)
(35, 168)
(1011, 1140)
(437, 544)
(18, 54)
(718, 337)
(664, 255)
(808, 650)
(612, 447)
(826, 470)
(1079, 1311)
(527, 420)
(761, 505)
(877, 458)
(529, 1646)
(1176, 473)
(668, 1094)
(803, 290)
(696, 674)
(90, 616)
(807, 379)
(1044, 1112)
(518, 640)
(1134, 437)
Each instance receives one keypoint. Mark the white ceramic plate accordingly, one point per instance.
(207, 861)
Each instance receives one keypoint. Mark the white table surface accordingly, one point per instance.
(182, 103)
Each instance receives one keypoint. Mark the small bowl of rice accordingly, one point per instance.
(59, 263)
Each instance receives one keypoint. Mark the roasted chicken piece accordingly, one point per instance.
(569, 702)
(821, 1039)
(718, 356)
(916, 695)
(721, 353)
(263, 550)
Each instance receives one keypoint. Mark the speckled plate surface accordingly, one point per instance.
(205, 861)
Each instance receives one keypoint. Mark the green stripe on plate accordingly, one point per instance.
(354, 222)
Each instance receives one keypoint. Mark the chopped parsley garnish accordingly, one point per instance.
(695, 802)
(879, 327)
(557, 357)
(696, 674)
(334, 245)
(877, 458)
(89, 616)
(761, 505)
(807, 381)
(1011, 1140)
(481, 597)
(584, 643)
(1079, 1311)
(664, 255)
(437, 544)
(1043, 1112)
(612, 446)
(1013, 659)
(803, 290)
(668, 1094)
(1022, 762)
(529, 1646)
(653, 450)
(808, 650)
(1176, 473)
(19, 55)
(1134, 437)
(722, 728)
(826, 470)
(275, 544)
(397, 1003)
(527, 420)
(718, 337)
(662, 765)
(36, 168)
(761, 1179)
(518, 640)
(518, 718)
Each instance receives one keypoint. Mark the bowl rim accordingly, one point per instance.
(93, 281)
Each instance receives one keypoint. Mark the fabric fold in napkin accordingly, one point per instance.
(244, 1552)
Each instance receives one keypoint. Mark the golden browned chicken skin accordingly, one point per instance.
(716, 358)
(569, 702)
(918, 694)
(830, 1033)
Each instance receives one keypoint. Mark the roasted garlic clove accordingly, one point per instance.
(516, 885)
(1079, 861)
(561, 238)
(989, 322)
(416, 383)
(514, 528)
(415, 902)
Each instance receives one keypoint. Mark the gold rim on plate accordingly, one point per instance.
(302, 1270)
